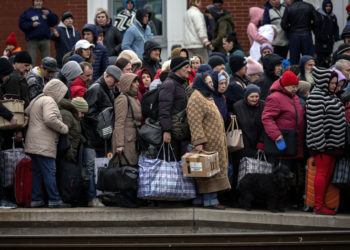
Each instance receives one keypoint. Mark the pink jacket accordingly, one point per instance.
(256, 17)
(279, 113)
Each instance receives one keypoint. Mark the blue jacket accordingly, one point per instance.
(100, 53)
(41, 32)
(135, 37)
(65, 42)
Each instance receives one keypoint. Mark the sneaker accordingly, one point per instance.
(324, 211)
(60, 205)
(7, 204)
(95, 203)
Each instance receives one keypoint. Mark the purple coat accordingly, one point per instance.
(279, 113)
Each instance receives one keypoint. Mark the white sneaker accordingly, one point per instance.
(7, 204)
(95, 203)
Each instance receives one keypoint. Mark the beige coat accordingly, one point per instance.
(207, 128)
(124, 134)
(45, 120)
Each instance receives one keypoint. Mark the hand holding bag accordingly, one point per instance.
(234, 137)
(151, 132)
(115, 177)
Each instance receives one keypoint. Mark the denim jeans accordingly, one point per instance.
(89, 161)
(206, 199)
(44, 170)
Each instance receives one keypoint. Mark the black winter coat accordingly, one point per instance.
(299, 18)
(172, 99)
(112, 40)
(147, 63)
(235, 91)
(269, 77)
(17, 85)
(249, 121)
(98, 97)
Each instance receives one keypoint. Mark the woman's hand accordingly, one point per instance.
(166, 137)
(233, 117)
(279, 138)
(120, 150)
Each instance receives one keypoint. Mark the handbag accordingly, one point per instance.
(140, 145)
(234, 137)
(105, 123)
(180, 129)
(163, 179)
(116, 177)
(9, 159)
(290, 137)
(257, 165)
(151, 132)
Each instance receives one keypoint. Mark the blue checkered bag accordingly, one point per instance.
(163, 179)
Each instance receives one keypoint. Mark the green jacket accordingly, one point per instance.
(223, 26)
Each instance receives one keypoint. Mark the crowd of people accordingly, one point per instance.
(286, 83)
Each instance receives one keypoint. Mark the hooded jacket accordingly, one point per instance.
(41, 32)
(302, 62)
(100, 63)
(219, 98)
(256, 15)
(124, 134)
(112, 39)
(327, 30)
(132, 57)
(148, 63)
(125, 18)
(325, 115)
(142, 88)
(299, 18)
(36, 82)
(16, 84)
(195, 29)
(77, 88)
(65, 42)
(279, 113)
(135, 37)
(45, 120)
(267, 79)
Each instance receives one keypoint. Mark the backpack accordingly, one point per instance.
(150, 104)
(105, 123)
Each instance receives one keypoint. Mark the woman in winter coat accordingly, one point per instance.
(325, 137)
(208, 133)
(145, 79)
(272, 64)
(221, 81)
(223, 26)
(256, 17)
(45, 125)
(124, 134)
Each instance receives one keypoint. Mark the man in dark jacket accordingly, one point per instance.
(238, 81)
(173, 99)
(298, 20)
(272, 64)
(65, 36)
(35, 22)
(326, 33)
(100, 64)
(99, 97)
(112, 38)
(151, 57)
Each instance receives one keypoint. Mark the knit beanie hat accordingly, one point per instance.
(204, 68)
(22, 57)
(178, 62)
(12, 40)
(237, 62)
(342, 48)
(304, 87)
(253, 66)
(80, 104)
(6, 67)
(66, 15)
(289, 79)
(77, 58)
(265, 46)
(215, 61)
(251, 88)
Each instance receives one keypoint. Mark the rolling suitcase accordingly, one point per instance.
(332, 196)
(23, 182)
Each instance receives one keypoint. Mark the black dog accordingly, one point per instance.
(270, 188)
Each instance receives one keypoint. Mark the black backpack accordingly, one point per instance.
(150, 103)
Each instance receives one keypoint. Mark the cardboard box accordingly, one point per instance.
(17, 109)
(200, 164)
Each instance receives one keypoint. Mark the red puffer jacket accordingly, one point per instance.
(279, 113)
(77, 88)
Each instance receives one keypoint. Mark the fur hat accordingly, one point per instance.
(289, 79)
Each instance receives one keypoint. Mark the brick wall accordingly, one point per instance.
(239, 10)
(12, 9)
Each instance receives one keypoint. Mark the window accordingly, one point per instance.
(156, 7)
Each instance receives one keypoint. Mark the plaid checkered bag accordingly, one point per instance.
(341, 173)
(8, 161)
(258, 165)
(164, 180)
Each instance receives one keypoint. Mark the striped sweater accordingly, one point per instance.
(325, 115)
